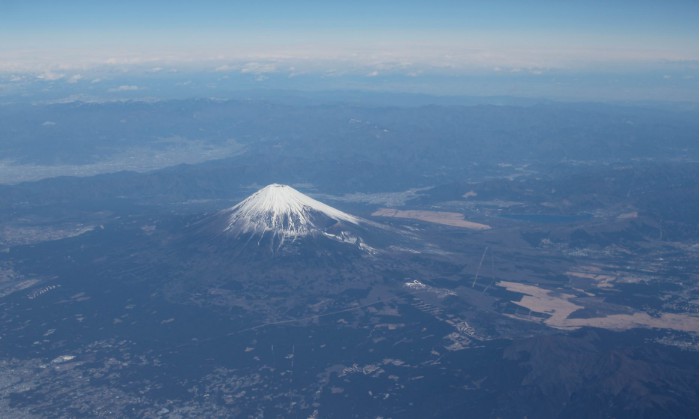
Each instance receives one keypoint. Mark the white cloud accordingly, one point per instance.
(125, 88)
(50, 76)
(437, 56)
(75, 78)
(258, 68)
(223, 68)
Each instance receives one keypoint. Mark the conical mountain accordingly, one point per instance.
(283, 211)
(279, 215)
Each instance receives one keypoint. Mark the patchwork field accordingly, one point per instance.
(453, 219)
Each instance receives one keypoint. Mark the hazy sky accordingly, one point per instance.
(54, 39)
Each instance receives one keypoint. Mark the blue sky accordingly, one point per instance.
(59, 39)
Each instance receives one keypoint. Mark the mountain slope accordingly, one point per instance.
(283, 211)
(280, 217)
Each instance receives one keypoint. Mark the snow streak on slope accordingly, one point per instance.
(282, 211)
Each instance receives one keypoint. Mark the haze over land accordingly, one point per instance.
(610, 51)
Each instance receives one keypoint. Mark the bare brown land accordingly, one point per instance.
(560, 308)
(604, 277)
(628, 215)
(453, 219)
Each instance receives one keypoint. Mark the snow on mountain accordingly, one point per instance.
(282, 212)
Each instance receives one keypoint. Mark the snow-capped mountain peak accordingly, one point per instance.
(284, 212)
